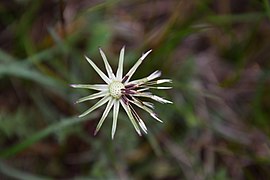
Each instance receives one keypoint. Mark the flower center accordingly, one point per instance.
(115, 89)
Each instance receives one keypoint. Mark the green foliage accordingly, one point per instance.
(17, 124)
(216, 53)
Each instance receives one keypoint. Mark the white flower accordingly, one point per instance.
(120, 90)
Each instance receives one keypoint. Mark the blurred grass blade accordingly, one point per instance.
(225, 19)
(41, 56)
(16, 69)
(4, 57)
(267, 7)
(153, 141)
(16, 174)
(40, 135)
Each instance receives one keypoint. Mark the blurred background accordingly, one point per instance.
(217, 52)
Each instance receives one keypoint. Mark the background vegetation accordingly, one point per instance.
(216, 51)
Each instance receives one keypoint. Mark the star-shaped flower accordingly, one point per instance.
(120, 90)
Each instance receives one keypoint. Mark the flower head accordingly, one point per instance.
(120, 90)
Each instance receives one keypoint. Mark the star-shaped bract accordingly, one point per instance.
(120, 90)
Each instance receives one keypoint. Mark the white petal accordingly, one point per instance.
(97, 105)
(154, 115)
(119, 73)
(128, 111)
(140, 105)
(138, 81)
(107, 65)
(115, 116)
(99, 87)
(149, 104)
(141, 123)
(139, 120)
(136, 65)
(159, 87)
(154, 75)
(143, 89)
(104, 115)
(93, 96)
(100, 73)
(160, 99)
(146, 83)
(154, 97)
(160, 81)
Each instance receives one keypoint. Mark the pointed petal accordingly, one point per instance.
(119, 73)
(139, 120)
(141, 123)
(115, 116)
(93, 96)
(104, 115)
(143, 89)
(99, 87)
(154, 75)
(158, 87)
(128, 111)
(97, 105)
(148, 104)
(161, 100)
(147, 109)
(145, 82)
(154, 97)
(107, 65)
(136, 65)
(100, 73)
(154, 115)
(138, 81)
(160, 81)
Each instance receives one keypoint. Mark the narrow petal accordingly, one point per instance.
(148, 104)
(152, 76)
(139, 120)
(100, 73)
(138, 81)
(93, 96)
(104, 115)
(161, 100)
(160, 81)
(147, 109)
(133, 121)
(97, 105)
(154, 97)
(141, 123)
(136, 65)
(158, 87)
(99, 87)
(163, 87)
(154, 115)
(107, 65)
(119, 73)
(143, 89)
(115, 116)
